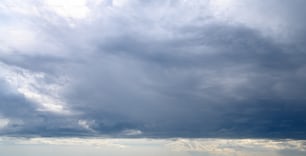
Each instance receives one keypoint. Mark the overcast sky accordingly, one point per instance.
(153, 68)
(197, 77)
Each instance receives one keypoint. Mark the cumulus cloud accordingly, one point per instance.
(137, 68)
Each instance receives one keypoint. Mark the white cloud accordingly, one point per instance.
(19, 7)
(17, 38)
(268, 18)
(119, 3)
(4, 122)
(247, 147)
(212, 147)
(131, 132)
(33, 87)
(76, 9)
(86, 124)
(95, 142)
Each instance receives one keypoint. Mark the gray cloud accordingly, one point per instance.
(161, 69)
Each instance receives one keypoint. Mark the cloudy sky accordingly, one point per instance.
(230, 70)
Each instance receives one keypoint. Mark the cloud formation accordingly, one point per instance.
(118, 68)
(164, 147)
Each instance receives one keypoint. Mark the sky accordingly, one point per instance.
(178, 77)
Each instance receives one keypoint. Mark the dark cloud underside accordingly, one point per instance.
(154, 69)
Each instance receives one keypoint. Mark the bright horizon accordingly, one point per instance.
(150, 147)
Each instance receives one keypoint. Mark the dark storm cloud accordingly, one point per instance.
(165, 69)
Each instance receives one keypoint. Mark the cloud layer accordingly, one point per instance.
(120, 68)
(164, 147)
